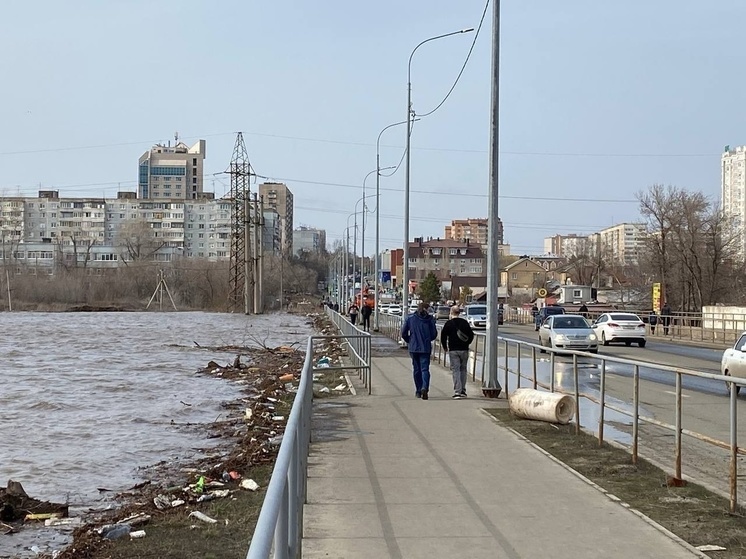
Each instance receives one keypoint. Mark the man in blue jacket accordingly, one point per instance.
(419, 332)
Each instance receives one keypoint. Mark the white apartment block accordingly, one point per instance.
(49, 230)
(621, 243)
(733, 191)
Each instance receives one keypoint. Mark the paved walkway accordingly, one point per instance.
(394, 476)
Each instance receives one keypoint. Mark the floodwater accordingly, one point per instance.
(89, 399)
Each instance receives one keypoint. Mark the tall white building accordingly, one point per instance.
(733, 191)
(172, 172)
(622, 242)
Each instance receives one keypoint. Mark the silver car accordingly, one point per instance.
(476, 316)
(568, 331)
(733, 362)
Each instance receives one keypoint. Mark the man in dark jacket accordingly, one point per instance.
(419, 331)
(455, 338)
(666, 317)
(365, 313)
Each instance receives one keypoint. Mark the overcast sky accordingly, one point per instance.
(599, 100)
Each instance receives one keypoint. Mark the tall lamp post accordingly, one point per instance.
(378, 217)
(362, 235)
(405, 257)
(491, 387)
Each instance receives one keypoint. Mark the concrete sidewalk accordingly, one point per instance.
(394, 476)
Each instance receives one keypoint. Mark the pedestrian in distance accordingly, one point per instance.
(653, 321)
(666, 317)
(419, 331)
(455, 337)
(336, 307)
(365, 313)
(352, 312)
(583, 310)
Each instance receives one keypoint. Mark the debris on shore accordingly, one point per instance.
(16, 506)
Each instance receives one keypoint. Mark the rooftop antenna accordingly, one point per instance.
(176, 137)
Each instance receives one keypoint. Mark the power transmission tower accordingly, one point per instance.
(241, 291)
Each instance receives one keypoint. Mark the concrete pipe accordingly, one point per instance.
(543, 406)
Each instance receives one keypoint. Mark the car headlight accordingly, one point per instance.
(592, 337)
(560, 338)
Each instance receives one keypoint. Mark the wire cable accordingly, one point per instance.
(463, 67)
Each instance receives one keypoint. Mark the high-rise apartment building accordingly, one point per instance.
(569, 245)
(309, 240)
(172, 172)
(475, 230)
(733, 191)
(621, 243)
(278, 197)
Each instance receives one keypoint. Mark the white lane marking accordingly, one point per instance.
(674, 393)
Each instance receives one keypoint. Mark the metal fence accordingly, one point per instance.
(519, 372)
(359, 344)
(279, 529)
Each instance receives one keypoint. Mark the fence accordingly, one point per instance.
(279, 528)
(359, 342)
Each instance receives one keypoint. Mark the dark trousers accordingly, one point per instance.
(366, 322)
(421, 371)
(353, 319)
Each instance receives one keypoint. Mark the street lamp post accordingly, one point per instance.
(491, 386)
(378, 219)
(405, 257)
(377, 170)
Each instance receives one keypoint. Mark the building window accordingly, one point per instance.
(514, 276)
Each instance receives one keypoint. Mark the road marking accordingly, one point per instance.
(674, 393)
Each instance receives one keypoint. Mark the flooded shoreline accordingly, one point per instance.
(89, 400)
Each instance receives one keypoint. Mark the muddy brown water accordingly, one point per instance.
(89, 400)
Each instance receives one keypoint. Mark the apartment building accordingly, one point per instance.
(621, 243)
(446, 258)
(475, 230)
(309, 240)
(567, 245)
(277, 196)
(172, 172)
(733, 191)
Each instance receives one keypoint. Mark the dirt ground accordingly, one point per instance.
(696, 515)
(212, 486)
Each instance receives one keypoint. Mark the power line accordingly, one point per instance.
(463, 67)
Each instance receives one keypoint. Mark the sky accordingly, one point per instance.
(598, 101)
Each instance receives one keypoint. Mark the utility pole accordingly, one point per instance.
(491, 386)
(240, 172)
(257, 263)
(260, 275)
(248, 278)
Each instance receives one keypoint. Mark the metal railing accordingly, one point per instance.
(359, 343)
(279, 528)
(522, 349)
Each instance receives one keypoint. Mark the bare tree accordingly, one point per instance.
(138, 241)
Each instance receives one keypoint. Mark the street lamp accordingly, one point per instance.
(405, 257)
(362, 236)
(378, 215)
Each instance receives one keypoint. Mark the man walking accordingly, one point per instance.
(455, 338)
(365, 313)
(666, 317)
(419, 332)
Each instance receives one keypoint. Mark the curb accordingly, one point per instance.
(665, 531)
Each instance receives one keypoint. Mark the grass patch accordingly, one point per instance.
(693, 513)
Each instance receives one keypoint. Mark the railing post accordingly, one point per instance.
(733, 448)
(474, 360)
(484, 357)
(292, 496)
(505, 348)
(551, 372)
(533, 368)
(635, 413)
(518, 347)
(678, 426)
(281, 529)
(603, 404)
(577, 392)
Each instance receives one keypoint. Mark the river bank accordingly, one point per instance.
(218, 485)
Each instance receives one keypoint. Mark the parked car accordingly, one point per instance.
(568, 331)
(476, 316)
(545, 312)
(395, 310)
(733, 362)
(442, 311)
(620, 327)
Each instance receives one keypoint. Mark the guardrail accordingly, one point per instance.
(279, 528)
(359, 342)
(522, 349)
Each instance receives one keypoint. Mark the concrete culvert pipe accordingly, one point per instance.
(543, 406)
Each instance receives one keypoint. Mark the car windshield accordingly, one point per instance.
(627, 317)
(570, 322)
(443, 308)
(554, 310)
(476, 309)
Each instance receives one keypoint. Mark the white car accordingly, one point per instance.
(733, 362)
(620, 327)
(567, 331)
(395, 310)
(476, 316)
